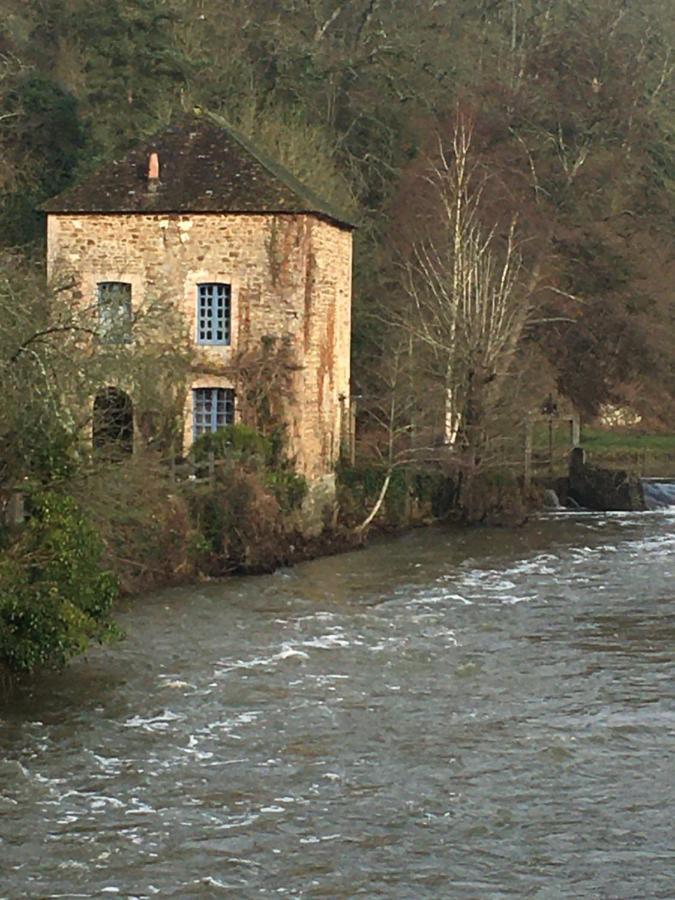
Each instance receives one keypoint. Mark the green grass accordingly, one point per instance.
(596, 439)
(646, 454)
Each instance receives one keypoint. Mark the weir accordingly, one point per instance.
(659, 493)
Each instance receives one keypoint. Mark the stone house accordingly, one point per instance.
(247, 254)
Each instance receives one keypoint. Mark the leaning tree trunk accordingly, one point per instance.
(378, 504)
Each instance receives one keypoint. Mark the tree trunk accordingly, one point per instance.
(378, 504)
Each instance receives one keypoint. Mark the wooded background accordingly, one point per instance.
(570, 101)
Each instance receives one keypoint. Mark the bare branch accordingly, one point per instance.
(469, 306)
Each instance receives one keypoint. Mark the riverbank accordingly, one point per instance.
(124, 530)
(646, 455)
(649, 455)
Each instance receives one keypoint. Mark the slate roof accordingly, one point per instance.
(204, 167)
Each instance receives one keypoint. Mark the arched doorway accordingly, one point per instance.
(113, 423)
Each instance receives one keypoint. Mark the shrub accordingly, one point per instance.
(436, 489)
(253, 475)
(492, 498)
(413, 493)
(289, 488)
(143, 520)
(359, 486)
(235, 442)
(54, 597)
(240, 522)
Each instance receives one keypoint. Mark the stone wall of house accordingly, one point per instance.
(290, 276)
(326, 341)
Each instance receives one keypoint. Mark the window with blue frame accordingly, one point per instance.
(114, 312)
(212, 408)
(214, 313)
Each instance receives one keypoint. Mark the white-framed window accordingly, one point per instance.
(214, 313)
(114, 312)
(212, 408)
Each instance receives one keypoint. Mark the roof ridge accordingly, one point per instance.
(302, 191)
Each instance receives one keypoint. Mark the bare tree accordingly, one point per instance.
(469, 304)
(390, 433)
(388, 417)
(56, 356)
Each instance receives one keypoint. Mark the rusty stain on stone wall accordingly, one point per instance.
(290, 276)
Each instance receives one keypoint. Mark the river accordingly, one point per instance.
(470, 714)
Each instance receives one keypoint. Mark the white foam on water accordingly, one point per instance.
(239, 821)
(332, 640)
(103, 802)
(288, 651)
(246, 718)
(460, 597)
(193, 751)
(110, 764)
(139, 808)
(159, 722)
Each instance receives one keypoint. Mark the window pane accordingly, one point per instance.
(214, 313)
(212, 409)
(114, 307)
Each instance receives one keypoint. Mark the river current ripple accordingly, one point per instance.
(447, 714)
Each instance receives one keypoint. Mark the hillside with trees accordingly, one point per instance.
(572, 111)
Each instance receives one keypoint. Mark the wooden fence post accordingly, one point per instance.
(352, 431)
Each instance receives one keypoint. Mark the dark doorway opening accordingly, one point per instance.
(113, 423)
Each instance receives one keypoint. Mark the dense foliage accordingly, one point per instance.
(54, 596)
(572, 102)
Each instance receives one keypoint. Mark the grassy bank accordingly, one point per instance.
(647, 455)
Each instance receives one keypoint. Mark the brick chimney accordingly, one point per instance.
(153, 171)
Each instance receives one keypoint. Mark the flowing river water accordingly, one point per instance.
(469, 714)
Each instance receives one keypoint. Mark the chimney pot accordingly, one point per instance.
(153, 167)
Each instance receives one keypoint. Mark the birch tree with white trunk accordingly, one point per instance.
(469, 305)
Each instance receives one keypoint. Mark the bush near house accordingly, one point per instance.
(54, 595)
(239, 523)
(143, 519)
(237, 443)
(245, 514)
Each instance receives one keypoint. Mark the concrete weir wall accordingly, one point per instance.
(593, 487)
(290, 277)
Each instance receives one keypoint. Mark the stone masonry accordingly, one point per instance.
(290, 274)
(198, 204)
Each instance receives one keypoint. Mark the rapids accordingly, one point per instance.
(469, 714)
